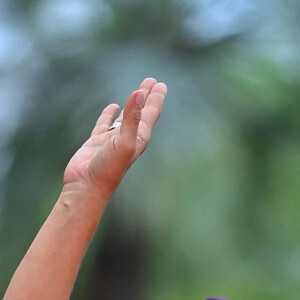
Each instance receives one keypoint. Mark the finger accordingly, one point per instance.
(154, 104)
(120, 117)
(147, 84)
(146, 87)
(131, 118)
(105, 119)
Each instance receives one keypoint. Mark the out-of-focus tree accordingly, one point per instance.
(212, 207)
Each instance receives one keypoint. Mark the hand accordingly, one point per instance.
(50, 266)
(100, 164)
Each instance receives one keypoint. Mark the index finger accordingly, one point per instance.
(146, 87)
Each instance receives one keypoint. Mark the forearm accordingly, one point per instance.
(50, 266)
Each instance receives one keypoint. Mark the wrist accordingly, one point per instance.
(85, 191)
(77, 199)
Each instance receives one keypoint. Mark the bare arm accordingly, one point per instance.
(50, 267)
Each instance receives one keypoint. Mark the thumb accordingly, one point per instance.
(131, 118)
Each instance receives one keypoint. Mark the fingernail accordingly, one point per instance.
(139, 99)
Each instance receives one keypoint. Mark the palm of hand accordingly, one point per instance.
(106, 156)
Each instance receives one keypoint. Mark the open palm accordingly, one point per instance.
(102, 161)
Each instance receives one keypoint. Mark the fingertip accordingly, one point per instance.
(160, 87)
(116, 105)
(149, 80)
(147, 84)
(112, 106)
(111, 109)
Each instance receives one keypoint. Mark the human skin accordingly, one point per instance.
(50, 266)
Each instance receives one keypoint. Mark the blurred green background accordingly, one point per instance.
(212, 207)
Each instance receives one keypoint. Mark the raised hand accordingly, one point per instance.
(99, 165)
(50, 266)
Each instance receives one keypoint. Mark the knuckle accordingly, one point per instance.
(142, 140)
(124, 147)
(129, 148)
(143, 144)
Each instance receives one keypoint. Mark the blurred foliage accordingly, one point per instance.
(212, 206)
